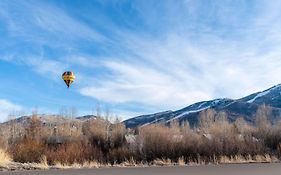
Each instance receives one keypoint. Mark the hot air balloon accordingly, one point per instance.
(68, 77)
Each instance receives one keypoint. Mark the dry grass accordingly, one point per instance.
(181, 161)
(100, 144)
(265, 158)
(196, 162)
(129, 163)
(235, 159)
(162, 162)
(248, 159)
(5, 158)
(75, 165)
(59, 165)
(43, 164)
(7, 163)
(92, 164)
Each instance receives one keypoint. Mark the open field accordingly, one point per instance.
(229, 169)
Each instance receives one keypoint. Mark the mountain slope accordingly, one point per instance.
(245, 107)
(50, 120)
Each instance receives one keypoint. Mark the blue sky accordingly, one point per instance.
(135, 57)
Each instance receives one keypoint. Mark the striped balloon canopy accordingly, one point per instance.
(68, 77)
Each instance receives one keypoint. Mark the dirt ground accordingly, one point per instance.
(230, 169)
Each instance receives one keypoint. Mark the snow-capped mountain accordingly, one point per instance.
(245, 107)
(270, 97)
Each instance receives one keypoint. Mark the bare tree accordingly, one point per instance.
(262, 118)
(117, 134)
(73, 112)
(206, 119)
(98, 110)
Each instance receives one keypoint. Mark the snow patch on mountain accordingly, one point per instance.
(186, 113)
(263, 93)
(201, 105)
(245, 107)
(257, 96)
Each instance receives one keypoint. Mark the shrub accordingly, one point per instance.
(27, 150)
(214, 140)
(4, 157)
(73, 152)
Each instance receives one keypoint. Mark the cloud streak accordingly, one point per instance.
(156, 55)
(37, 21)
(178, 69)
(6, 108)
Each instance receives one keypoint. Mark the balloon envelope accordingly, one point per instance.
(68, 77)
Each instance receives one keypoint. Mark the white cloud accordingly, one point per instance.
(47, 67)
(6, 108)
(37, 21)
(145, 85)
(56, 21)
(174, 71)
(194, 51)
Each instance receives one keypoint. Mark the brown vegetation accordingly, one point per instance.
(4, 157)
(96, 142)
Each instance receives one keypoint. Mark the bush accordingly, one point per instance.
(100, 141)
(119, 155)
(73, 152)
(27, 150)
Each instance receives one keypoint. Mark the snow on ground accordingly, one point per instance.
(263, 93)
(187, 112)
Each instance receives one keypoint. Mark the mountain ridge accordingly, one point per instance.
(244, 107)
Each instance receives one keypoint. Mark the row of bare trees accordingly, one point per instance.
(106, 142)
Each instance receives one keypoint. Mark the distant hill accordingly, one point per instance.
(245, 107)
(51, 120)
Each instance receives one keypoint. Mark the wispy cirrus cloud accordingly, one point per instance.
(47, 67)
(34, 29)
(156, 55)
(42, 22)
(204, 62)
(6, 108)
